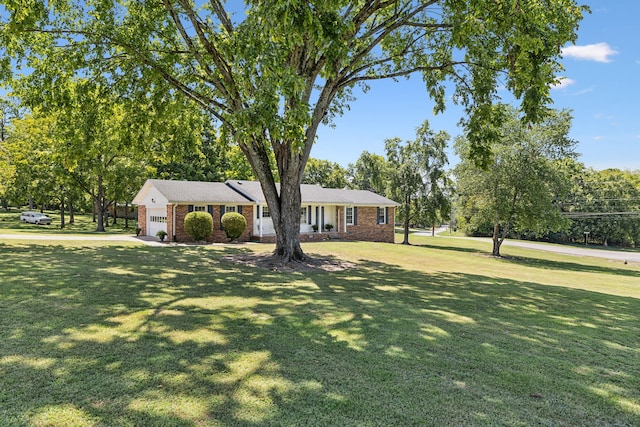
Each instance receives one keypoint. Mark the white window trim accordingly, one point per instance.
(384, 216)
(346, 215)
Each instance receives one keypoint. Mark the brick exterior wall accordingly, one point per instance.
(142, 220)
(218, 235)
(368, 229)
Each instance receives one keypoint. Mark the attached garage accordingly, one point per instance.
(156, 220)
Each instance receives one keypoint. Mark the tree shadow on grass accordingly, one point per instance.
(545, 264)
(176, 336)
(450, 248)
(572, 266)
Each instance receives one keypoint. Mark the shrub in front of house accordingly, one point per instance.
(233, 225)
(198, 225)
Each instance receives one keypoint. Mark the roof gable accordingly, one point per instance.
(192, 192)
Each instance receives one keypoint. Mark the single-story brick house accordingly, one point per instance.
(354, 214)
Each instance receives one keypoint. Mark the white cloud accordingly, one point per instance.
(599, 52)
(598, 137)
(563, 82)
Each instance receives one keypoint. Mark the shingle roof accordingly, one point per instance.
(244, 192)
(311, 193)
(197, 192)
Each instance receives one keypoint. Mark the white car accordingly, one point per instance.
(35, 218)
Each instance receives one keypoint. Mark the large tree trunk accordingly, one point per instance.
(62, 210)
(407, 208)
(99, 216)
(498, 238)
(98, 202)
(497, 242)
(288, 225)
(72, 215)
(285, 204)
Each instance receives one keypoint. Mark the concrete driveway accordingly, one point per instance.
(80, 237)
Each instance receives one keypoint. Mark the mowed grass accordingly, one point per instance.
(83, 224)
(434, 334)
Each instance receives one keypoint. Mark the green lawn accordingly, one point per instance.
(434, 334)
(10, 223)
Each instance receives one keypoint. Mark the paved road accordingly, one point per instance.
(559, 249)
(576, 251)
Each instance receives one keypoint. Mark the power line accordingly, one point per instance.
(601, 214)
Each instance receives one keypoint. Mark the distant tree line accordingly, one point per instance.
(534, 188)
(91, 148)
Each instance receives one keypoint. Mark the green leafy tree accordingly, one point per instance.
(271, 72)
(212, 159)
(519, 188)
(369, 172)
(8, 111)
(606, 204)
(325, 173)
(98, 149)
(29, 153)
(417, 176)
(91, 138)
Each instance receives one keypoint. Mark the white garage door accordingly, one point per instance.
(156, 221)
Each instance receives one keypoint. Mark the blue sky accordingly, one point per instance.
(602, 88)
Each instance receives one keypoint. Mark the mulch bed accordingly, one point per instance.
(269, 262)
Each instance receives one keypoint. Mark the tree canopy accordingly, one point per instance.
(521, 186)
(605, 204)
(325, 173)
(271, 72)
(418, 178)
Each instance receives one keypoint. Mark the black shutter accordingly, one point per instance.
(386, 215)
(355, 215)
(309, 214)
(190, 208)
(240, 210)
(210, 210)
(221, 213)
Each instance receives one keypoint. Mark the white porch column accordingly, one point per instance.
(344, 218)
